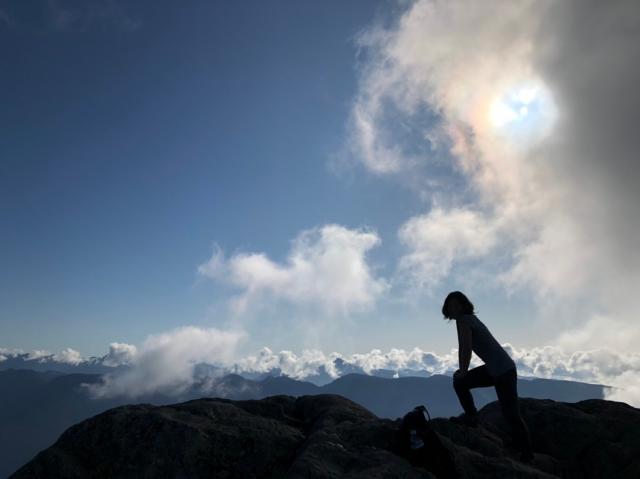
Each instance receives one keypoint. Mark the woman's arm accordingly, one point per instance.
(464, 345)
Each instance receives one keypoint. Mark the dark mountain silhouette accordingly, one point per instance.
(321, 376)
(328, 436)
(393, 397)
(36, 407)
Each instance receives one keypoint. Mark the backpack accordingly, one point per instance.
(421, 445)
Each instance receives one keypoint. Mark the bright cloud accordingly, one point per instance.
(120, 354)
(600, 366)
(308, 363)
(68, 356)
(326, 267)
(314, 362)
(438, 238)
(536, 109)
(165, 363)
(6, 353)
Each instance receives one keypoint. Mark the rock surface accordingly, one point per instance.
(328, 436)
(36, 407)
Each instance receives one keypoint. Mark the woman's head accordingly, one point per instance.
(456, 304)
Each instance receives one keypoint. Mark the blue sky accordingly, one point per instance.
(160, 164)
(127, 152)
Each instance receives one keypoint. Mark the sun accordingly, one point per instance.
(524, 113)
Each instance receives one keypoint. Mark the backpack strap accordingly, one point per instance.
(423, 409)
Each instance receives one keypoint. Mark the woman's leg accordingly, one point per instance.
(475, 378)
(507, 391)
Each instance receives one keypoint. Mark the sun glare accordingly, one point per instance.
(524, 113)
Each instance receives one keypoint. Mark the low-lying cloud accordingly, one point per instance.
(601, 366)
(165, 363)
(170, 363)
(67, 356)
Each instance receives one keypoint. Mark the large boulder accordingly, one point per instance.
(328, 436)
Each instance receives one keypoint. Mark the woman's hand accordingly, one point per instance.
(459, 374)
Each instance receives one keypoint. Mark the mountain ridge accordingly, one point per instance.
(329, 436)
(37, 407)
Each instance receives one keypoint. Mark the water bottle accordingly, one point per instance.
(415, 440)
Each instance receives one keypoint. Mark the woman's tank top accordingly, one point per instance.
(486, 347)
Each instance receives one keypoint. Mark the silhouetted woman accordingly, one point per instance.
(498, 370)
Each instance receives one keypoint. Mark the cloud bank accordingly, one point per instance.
(67, 356)
(172, 362)
(119, 355)
(601, 366)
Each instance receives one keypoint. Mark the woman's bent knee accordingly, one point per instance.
(459, 384)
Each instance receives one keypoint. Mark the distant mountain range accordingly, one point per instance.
(104, 365)
(36, 407)
(49, 362)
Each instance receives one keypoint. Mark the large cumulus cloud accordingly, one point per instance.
(535, 105)
(326, 267)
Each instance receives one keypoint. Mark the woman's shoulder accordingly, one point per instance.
(469, 318)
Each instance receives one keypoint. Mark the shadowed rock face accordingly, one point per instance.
(36, 407)
(328, 436)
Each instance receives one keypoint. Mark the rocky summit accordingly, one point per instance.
(328, 436)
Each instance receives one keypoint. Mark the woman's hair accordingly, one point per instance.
(467, 306)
